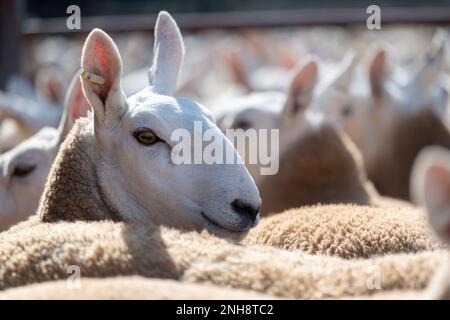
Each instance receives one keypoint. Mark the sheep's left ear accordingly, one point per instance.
(429, 70)
(168, 54)
(75, 106)
(101, 78)
(431, 187)
(342, 76)
(301, 88)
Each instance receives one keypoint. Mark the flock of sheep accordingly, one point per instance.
(87, 178)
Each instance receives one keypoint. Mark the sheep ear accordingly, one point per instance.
(301, 88)
(428, 72)
(49, 82)
(75, 106)
(431, 187)
(343, 74)
(238, 69)
(101, 77)
(168, 54)
(377, 71)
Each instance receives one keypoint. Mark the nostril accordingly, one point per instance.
(244, 208)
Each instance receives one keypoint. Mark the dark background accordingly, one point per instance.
(53, 8)
(22, 21)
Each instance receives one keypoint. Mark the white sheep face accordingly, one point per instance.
(23, 172)
(136, 170)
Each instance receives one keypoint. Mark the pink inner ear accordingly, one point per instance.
(105, 66)
(304, 81)
(53, 90)
(437, 188)
(377, 70)
(79, 106)
(377, 65)
(236, 68)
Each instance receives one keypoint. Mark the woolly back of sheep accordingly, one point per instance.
(36, 252)
(391, 173)
(71, 191)
(321, 167)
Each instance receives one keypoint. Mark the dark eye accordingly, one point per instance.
(346, 110)
(146, 136)
(21, 171)
(241, 124)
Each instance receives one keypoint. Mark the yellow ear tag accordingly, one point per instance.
(92, 77)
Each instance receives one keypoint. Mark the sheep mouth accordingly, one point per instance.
(220, 227)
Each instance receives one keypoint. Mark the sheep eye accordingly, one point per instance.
(244, 125)
(146, 136)
(21, 171)
(346, 111)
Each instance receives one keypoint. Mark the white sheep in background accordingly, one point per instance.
(24, 169)
(318, 163)
(25, 110)
(391, 120)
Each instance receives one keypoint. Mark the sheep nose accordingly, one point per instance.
(245, 209)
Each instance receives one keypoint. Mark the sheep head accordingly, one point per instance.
(137, 169)
(309, 145)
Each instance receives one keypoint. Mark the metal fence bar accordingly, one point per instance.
(194, 21)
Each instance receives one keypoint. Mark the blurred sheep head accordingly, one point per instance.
(24, 168)
(309, 145)
(24, 110)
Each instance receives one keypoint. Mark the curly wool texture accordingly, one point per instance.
(72, 193)
(347, 231)
(126, 288)
(437, 289)
(107, 249)
(42, 248)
